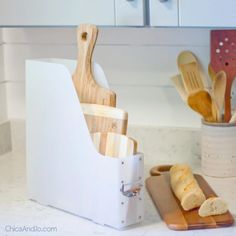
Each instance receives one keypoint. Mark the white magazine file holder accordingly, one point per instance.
(64, 170)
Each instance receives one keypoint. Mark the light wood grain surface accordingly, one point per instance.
(87, 89)
(190, 70)
(102, 118)
(114, 145)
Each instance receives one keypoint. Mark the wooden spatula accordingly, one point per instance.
(218, 92)
(87, 89)
(223, 57)
(178, 83)
(102, 118)
(201, 102)
(114, 145)
(189, 69)
(211, 72)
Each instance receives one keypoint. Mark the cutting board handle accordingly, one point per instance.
(86, 87)
(158, 170)
(86, 39)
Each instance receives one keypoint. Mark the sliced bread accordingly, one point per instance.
(213, 206)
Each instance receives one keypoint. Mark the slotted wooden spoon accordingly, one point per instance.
(223, 57)
(190, 72)
(87, 89)
(201, 102)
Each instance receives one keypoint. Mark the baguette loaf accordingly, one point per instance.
(213, 206)
(185, 187)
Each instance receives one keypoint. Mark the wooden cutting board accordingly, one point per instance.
(114, 145)
(86, 87)
(100, 118)
(170, 209)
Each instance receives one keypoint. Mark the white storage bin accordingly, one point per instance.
(219, 149)
(64, 170)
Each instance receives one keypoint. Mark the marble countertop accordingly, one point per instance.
(16, 211)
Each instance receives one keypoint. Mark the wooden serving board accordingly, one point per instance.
(101, 118)
(87, 88)
(114, 145)
(171, 211)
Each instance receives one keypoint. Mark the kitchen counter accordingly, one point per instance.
(17, 211)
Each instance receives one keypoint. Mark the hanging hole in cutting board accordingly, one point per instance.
(84, 36)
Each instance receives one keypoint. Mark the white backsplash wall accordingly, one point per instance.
(1, 56)
(3, 108)
(138, 63)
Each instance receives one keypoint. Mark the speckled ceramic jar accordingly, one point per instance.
(218, 149)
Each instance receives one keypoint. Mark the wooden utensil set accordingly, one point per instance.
(191, 86)
(106, 123)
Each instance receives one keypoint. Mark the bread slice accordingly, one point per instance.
(178, 170)
(192, 199)
(213, 206)
(179, 173)
(185, 187)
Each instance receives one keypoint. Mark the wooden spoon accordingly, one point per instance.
(87, 89)
(114, 145)
(218, 92)
(185, 57)
(189, 69)
(201, 102)
(211, 72)
(217, 99)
